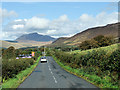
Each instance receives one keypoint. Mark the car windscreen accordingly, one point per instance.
(43, 58)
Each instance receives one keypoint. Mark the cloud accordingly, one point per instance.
(17, 26)
(63, 18)
(62, 26)
(85, 18)
(5, 15)
(37, 23)
(50, 32)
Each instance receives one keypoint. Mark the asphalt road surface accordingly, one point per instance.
(51, 75)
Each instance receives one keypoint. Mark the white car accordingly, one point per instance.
(43, 59)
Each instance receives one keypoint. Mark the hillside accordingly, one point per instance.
(6, 44)
(108, 49)
(108, 30)
(34, 37)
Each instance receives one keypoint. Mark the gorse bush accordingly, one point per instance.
(12, 67)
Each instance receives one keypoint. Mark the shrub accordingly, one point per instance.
(12, 67)
(97, 62)
(98, 41)
(9, 53)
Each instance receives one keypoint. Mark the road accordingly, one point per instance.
(51, 75)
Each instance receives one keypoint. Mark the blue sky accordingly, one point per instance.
(57, 19)
(53, 10)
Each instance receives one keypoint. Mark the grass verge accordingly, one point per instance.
(15, 82)
(93, 79)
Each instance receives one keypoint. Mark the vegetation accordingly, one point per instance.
(92, 78)
(20, 77)
(96, 42)
(100, 62)
(12, 66)
(109, 49)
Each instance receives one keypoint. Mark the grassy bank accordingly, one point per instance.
(108, 49)
(15, 82)
(94, 79)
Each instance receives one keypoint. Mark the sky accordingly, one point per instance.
(57, 19)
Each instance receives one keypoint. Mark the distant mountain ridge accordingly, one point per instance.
(108, 30)
(35, 37)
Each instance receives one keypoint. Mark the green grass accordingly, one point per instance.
(94, 79)
(15, 82)
(108, 49)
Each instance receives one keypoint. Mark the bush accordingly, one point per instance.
(12, 67)
(94, 62)
(9, 53)
(98, 41)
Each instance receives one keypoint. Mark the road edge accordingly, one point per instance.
(19, 80)
(84, 78)
(30, 72)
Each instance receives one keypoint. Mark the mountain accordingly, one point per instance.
(34, 37)
(108, 30)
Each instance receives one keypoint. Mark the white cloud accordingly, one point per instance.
(17, 20)
(59, 27)
(63, 18)
(85, 18)
(6, 14)
(50, 32)
(17, 26)
(37, 23)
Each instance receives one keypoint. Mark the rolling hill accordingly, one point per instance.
(6, 44)
(108, 30)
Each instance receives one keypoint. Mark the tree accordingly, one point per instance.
(9, 53)
(99, 40)
(17, 52)
(85, 45)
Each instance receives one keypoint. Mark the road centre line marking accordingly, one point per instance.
(52, 74)
(55, 79)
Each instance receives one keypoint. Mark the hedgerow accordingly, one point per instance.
(12, 67)
(96, 62)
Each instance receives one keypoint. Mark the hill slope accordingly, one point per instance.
(108, 30)
(6, 44)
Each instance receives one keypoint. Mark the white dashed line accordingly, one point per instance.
(52, 74)
(55, 79)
